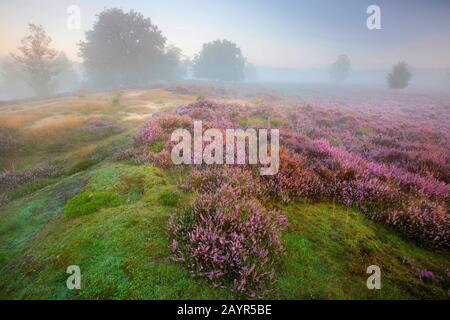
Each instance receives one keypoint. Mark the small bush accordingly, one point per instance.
(89, 202)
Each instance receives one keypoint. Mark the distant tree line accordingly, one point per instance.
(124, 49)
(398, 78)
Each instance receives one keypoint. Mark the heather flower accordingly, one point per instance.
(230, 241)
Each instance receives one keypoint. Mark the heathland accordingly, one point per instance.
(87, 180)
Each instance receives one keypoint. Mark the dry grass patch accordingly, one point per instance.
(55, 128)
(90, 106)
(155, 94)
(16, 121)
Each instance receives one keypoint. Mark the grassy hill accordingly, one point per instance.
(121, 243)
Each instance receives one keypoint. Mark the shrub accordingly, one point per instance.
(294, 178)
(423, 220)
(232, 242)
(161, 159)
(149, 134)
(10, 179)
(210, 179)
(89, 202)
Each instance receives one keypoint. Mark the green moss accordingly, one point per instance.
(89, 202)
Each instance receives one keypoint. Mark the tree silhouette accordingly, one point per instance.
(37, 60)
(67, 79)
(220, 60)
(340, 69)
(400, 76)
(173, 68)
(123, 49)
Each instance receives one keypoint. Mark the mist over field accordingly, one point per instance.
(216, 150)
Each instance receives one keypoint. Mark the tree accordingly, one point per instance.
(12, 82)
(67, 78)
(37, 60)
(123, 49)
(173, 68)
(340, 69)
(400, 76)
(220, 60)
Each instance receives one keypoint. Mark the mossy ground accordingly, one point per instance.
(123, 251)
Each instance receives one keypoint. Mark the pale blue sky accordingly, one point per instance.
(282, 33)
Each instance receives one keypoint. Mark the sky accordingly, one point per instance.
(271, 33)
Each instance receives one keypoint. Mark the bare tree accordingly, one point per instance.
(37, 60)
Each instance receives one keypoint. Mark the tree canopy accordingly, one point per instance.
(400, 76)
(125, 49)
(220, 60)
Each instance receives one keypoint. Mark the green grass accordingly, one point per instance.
(123, 251)
(328, 250)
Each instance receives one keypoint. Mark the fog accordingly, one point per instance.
(117, 45)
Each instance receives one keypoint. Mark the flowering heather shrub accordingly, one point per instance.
(423, 220)
(160, 128)
(426, 275)
(161, 159)
(383, 193)
(232, 242)
(10, 179)
(294, 178)
(243, 182)
(149, 134)
(381, 162)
